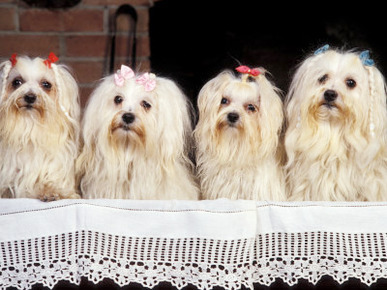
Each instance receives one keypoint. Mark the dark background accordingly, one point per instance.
(193, 40)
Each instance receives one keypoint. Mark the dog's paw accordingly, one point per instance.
(72, 195)
(46, 196)
(49, 194)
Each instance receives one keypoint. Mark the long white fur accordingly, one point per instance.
(333, 154)
(148, 162)
(38, 150)
(239, 162)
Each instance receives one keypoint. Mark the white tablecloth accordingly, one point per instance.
(204, 243)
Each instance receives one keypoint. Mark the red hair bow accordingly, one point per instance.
(246, 70)
(13, 59)
(51, 59)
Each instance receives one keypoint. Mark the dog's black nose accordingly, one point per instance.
(128, 118)
(330, 95)
(30, 98)
(232, 117)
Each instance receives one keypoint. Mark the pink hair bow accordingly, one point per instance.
(246, 70)
(123, 74)
(51, 59)
(148, 81)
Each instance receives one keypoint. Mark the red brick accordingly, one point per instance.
(89, 20)
(7, 18)
(32, 45)
(142, 65)
(143, 20)
(143, 46)
(142, 49)
(87, 71)
(98, 45)
(85, 93)
(83, 20)
(40, 20)
(87, 45)
(123, 21)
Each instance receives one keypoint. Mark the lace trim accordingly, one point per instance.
(204, 263)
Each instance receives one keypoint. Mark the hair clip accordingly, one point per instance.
(51, 59)
(365, 58)
(322, 49)
(246, 70)
(148, 80)
(123, 74)
(13, 59)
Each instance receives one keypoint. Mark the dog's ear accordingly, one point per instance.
(174, 123)
(68, 92)
(379, 102)
(270, 110)
(5, 68)
(377, 121)
(3, 71)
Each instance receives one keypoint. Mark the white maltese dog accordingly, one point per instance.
(39, 129)
(136, 131)
(336, 129)
(237, 137)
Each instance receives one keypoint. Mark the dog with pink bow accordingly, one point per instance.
(136, 134)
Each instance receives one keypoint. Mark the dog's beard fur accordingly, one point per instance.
(123, 136)
(38, 142)
(239, 160)
(331, 153)
(143, 159)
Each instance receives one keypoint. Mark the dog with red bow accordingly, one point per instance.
(336, 136)
(39, 129)
(136, 135)
(237, 137)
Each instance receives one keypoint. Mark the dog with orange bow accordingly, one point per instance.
(39, 129)
(237, 137)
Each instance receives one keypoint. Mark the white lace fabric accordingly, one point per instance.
(204, 243)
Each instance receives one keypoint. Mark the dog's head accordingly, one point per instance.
(238, 111)
(342, 89)
(36, 93)
(137, 112)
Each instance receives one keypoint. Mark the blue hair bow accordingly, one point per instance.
(365, 58)
(322, 49)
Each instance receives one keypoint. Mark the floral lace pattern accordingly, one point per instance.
(202, 262)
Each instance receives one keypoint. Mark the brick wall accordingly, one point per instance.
(80, 36)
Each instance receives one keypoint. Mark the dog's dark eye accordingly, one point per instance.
(351, 83)
(17, 83)
(118, 100)
(250, 108)
(146, 105)
(224, 101)
(46, 85)
(323, 79)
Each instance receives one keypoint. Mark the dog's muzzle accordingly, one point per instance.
(128, 118)
(30, 99)
(232, 118)
(330, 96)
